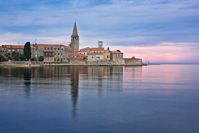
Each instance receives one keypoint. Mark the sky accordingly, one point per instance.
(154, 30)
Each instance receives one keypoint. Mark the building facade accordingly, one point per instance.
(53, 52)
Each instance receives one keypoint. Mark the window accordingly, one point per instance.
(48, 48)
(51, 48)
(58, 48)
(55, 53)
(107, 56)
(55, 48)
(55, 59)
(44, 48)
(58, 53)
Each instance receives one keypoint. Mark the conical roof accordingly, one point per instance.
(75, 30)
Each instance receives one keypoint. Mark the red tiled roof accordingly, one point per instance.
(73, 53)
(13, 46)
(84, 50)
(58, 45)
(1, 47)
(82, 55)
(97, 49)
(16, 46)
(95, 53)
(68, 47)
(33, 47)
(79, 57)
(87, 48)
(116, 52)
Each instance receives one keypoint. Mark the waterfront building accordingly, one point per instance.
(54, 52)
(8, 49)
(96, 57)
(116, 55)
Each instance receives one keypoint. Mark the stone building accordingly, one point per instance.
(53, 52)
(116, 56)
(8, 49)
(75, 39)
(96, 57)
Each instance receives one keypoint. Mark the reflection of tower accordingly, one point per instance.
(74, 87)
(75, 39)
(27, 81)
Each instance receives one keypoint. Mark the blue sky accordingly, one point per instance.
(144, 28)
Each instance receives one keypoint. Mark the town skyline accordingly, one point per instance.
(156, 31)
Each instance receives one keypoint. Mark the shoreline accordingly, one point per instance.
(29, 66)
(44, 64)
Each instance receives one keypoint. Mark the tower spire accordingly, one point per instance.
(75, 38)
(75, 33)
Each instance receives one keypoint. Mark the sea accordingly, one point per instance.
(100, 99)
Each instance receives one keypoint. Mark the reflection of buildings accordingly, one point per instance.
(27, 81)
(74, 87)
(132, 74)
(102, 78)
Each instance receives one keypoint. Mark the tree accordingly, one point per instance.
(27, 50)
(41, 58)
(22, 57)
(118, 51)
(2, 58)
(33, 59)
(15, 56)
(9, 57)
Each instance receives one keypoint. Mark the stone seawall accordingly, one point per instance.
(135, 61)
(21, 64)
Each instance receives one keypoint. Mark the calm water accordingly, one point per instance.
(149, 99)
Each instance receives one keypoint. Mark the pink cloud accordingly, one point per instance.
(172, 52)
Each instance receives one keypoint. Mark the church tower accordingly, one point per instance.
(75, 39)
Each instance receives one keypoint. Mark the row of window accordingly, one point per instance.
(56, 59)
(47, 48)
(51, 48)
(98, 52)
(52, 53)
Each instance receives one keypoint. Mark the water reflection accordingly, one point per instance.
(100, 99)
(59, 79)
(27, 81)
(74, 88)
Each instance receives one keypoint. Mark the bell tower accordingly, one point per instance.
(75, 39)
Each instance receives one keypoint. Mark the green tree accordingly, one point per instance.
(7, 54)
(9, 57)
(118, 51)
(41, 58)
(22, 57)
(15, 56)
(27, 50)
(2, 58)
(33, 59)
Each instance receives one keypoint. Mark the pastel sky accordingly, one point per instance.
(154, 30)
